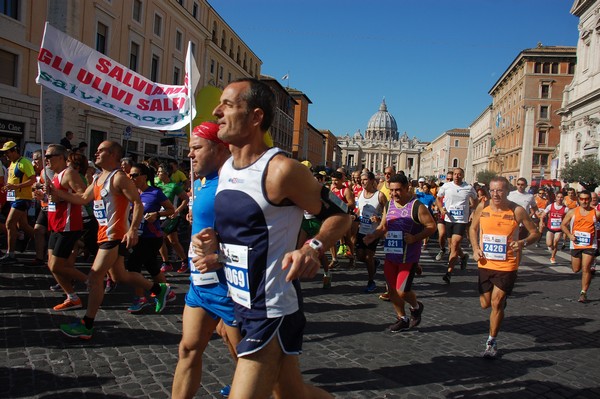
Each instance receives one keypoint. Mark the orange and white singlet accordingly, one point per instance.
(497, 230)
(63, 216)
(584, 229)
(111, 210)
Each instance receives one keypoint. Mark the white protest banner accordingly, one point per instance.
(75, 70)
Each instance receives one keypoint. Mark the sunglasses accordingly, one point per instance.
(48, 156)
(134, 175)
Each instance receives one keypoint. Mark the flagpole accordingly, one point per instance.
(42, 135)
(191, 103)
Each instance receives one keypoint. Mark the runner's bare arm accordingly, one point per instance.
(74, 198)
(429, 226)
(534, 235)
(565, 226)
(123, 184)
(474, 233)
(380, 231)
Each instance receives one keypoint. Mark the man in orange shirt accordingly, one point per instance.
(571, 198)
(497, 249)
(579, 226)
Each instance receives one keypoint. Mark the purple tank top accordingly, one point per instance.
(401, 220)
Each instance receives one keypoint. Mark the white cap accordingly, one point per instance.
(421, 179)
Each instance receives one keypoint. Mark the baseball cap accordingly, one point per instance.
(421, 179)
(208, 131)
(307, 164)
(8, 145)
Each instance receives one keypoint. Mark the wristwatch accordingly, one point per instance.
(316, 245)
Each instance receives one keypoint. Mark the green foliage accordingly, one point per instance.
(485, 176)
(585, 171)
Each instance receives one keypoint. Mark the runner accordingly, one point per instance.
(459, 199)
(406, 223)
(256, 208)
(555, 213)
(112, 192)
(579, 226)
(65, 223)
(207, 303)
(496, 248)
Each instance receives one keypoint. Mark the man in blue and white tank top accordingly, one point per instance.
(257, 219)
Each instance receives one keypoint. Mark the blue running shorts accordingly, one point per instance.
(217, 306)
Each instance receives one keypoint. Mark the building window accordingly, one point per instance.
(180, 2)
(8, 72)
(544, 114)
(178, 40)
(137, 11)
(537, 68)
(545, 91)
(221, 72)
(150, 148)
(223, 38)
(176, 75)
(228, 77)
(546, 67)
(542, 137)
(455, 163)
(571, 68)
(157, 25)
(214, 33)
(212, 67)
(195, 10)
(101, 37)
(456, 143)
(154, 67)
(10, 8)
(133, 56)
(554, 68)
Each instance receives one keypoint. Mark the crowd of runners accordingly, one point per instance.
(261, 222)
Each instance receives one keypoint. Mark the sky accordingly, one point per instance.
(434, 61)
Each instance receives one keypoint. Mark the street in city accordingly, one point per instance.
(549, 342)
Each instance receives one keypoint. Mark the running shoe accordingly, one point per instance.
(582, 297)
(553, 261)
(463, 261)
(226, 390)
(55, 287)
(371, 286)
(415, 315)
(139, 303)
(326, 282)
(77, 330)
(400, 325)
(69, 304)
(593, 270)
(110, 286)
(172, 296)
(334, 263)
(385, 296)
(440, 255)
(161, 299)
(491, 350)
(419, 270)
(341, 250)
(184, 267)
(166, 267)
(6, 259)
(447, 277)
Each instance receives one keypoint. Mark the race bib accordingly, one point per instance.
(555, 223)
(11, 195)
(457, 213)
(582, 238)
(366, 225)
(197, 277)
(394, 243)
(494, 246)
(51, 206)
(100, 213)
(236, 273)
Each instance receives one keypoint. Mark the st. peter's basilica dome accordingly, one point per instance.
(382, 125)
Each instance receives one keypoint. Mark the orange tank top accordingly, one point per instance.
(584, 229)
(111, 210)
(497, 230)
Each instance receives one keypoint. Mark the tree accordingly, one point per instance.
(585, 171)
(485, 176)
